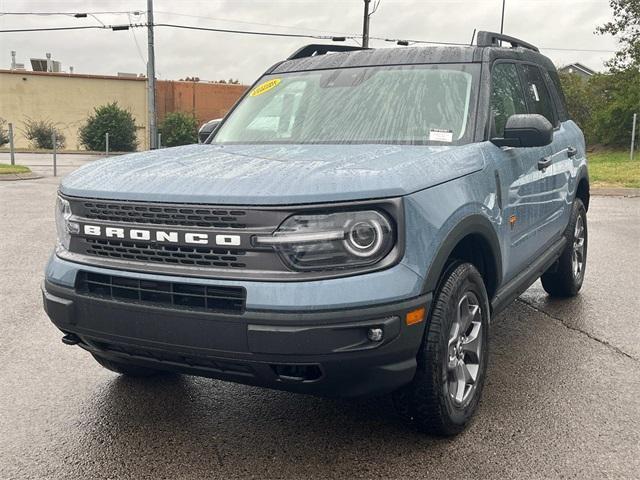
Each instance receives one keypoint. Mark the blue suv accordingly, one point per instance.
(350, 228)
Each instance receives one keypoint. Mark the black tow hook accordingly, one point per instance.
(70, 339)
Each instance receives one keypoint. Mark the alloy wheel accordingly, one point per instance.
(464, 350)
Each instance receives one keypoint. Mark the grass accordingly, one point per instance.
(4, 168)
(612, 168)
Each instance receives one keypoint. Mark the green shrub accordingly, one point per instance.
(616, 97)
(603, 106)
(40, 134)
(579, 105)
(118, 122)
(4, 132)
(178, 128)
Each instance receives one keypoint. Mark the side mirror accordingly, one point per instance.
(527, 130)
(207, 129)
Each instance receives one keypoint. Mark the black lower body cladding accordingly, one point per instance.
(318, 352)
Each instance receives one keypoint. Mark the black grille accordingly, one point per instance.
(188, 216)
(168, 254)
(169, 294)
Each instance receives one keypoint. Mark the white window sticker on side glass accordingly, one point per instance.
(534, 91)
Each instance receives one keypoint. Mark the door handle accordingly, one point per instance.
(544, 162)
(572, 152)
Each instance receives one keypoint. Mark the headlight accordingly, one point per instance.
(332, 241)
(64, 226)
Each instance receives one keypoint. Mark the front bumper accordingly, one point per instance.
(319, 352)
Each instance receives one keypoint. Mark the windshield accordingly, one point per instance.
(413, 104)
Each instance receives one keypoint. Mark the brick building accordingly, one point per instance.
(68, 99)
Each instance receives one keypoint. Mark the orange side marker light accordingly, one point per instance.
(415, 316)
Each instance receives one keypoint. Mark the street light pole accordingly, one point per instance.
(365, 25)
(151, 78)
(502, 21)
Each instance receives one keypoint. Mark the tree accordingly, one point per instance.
(40, 134)
(4, 132)
(179, 128)
(615, 98)
(626, 26)
(604, 105)
(579, 105)
(118, 122)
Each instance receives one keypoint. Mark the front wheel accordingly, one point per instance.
(564, 279)
(452, 361)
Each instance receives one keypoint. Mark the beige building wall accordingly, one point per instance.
(67, 100)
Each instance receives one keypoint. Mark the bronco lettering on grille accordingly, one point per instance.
(194, 238)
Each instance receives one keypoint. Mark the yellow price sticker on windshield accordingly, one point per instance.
(264, 87)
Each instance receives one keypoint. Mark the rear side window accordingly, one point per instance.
(507, 97)
(538, 97)
(561, 102)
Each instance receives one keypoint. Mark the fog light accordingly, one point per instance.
(375, 334)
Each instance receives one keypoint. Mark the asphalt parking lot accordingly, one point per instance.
(562, 398)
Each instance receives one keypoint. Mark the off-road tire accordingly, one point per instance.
(426, 401)
(562, 280)
(126, 368)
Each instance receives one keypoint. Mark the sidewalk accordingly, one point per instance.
(41, 164)
(615, 192)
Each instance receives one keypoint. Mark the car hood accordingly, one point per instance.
(271, 174)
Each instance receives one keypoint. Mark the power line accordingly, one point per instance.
(248, 32)
(52, 29)
(135, 39)
(375, 7)
(260, 24)
(270, 34)
(46, 14)
(577, 50)
(92, 15)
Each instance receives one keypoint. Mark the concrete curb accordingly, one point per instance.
(615, 192)
(13, 177)
(92, 153)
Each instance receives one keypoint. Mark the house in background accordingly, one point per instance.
(577, 69)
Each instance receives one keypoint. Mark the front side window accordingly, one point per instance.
(507, 97)
(538, 97)
(414, 104)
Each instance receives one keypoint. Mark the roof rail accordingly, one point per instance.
(321, 49)
(493, 39)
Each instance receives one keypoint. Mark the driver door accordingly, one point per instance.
(525, 188)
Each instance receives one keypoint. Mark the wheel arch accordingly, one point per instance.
(473, 239)
(583, 190)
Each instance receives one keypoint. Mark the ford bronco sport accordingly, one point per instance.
(350, 228)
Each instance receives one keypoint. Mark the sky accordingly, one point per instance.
(550, 24)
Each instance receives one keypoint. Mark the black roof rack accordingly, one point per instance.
(493, 39)
(321, 49)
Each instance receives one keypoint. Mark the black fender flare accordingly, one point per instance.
(583, 174)
(475, 224)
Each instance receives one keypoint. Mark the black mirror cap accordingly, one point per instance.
(526, 130)
(207, 128)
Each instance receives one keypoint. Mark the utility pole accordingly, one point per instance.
(365, 25)
(633, 135)
(502, 21)
(151, 78)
